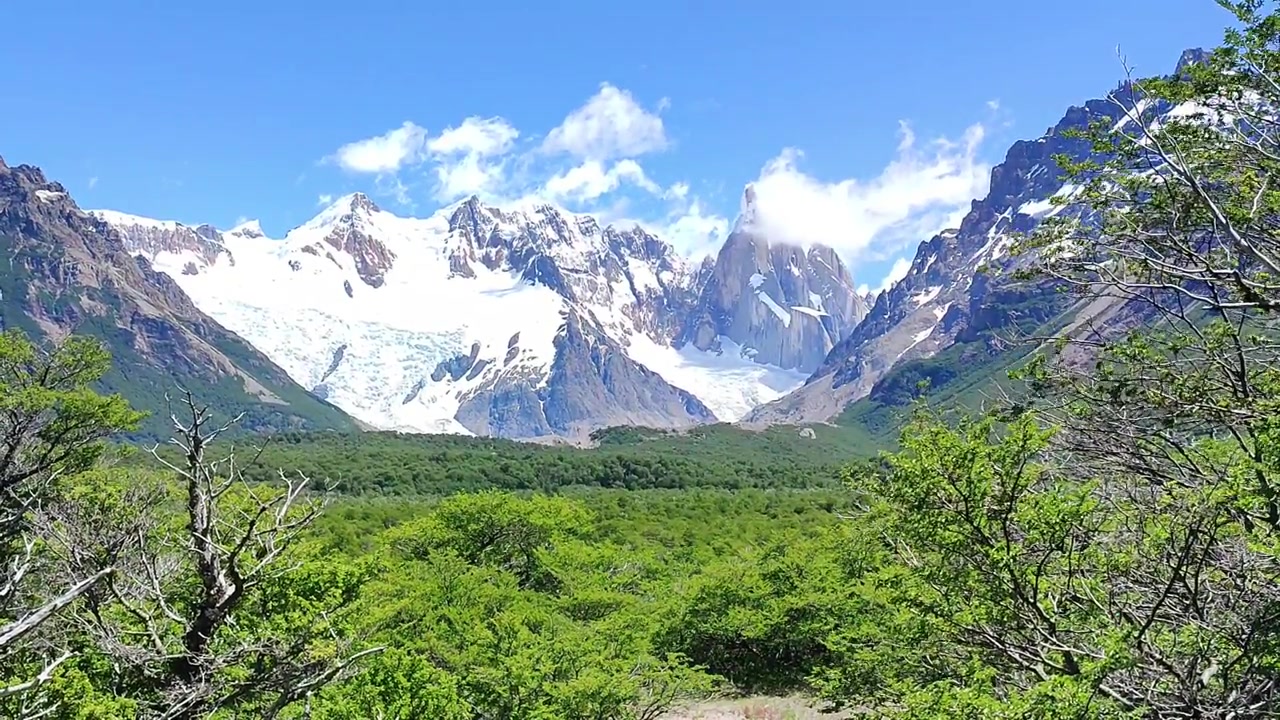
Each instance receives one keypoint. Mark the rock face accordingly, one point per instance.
(613, 269)
(592, 384)
(522, 322)
(782, 304)
(944, 300)
(349, 233)
(148, 238)
(65, 271)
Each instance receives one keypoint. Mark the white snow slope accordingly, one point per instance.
(372, 351)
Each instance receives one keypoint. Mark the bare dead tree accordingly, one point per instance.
(182, 618)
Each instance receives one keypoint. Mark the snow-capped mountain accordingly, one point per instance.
(788, 304)
(945, 301)
(517, 322)
(63, 271)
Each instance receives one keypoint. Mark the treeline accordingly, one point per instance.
(199, 587)
(391, 463)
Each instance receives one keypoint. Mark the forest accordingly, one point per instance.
(1106, 544)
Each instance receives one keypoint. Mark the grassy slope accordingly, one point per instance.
(968, 376)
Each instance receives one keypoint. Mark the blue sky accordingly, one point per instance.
(658, 112)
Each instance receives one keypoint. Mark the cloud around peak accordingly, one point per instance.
(593, 162)
(918, 193)
(602, 138)
(471, 157)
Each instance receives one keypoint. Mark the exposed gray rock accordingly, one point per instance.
(784, 305)
(592, 384)
(946, 297)
(351, 235)
(146, 237)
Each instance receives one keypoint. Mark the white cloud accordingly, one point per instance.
(694, 231)
(591, 160)
(470, 157)
(466, 176)
(590, 180)
(610, 125)
(93, 182)
(690, 228)
(386, 153)
(899, 270)
(922, 190)
(324, 199)
(476, 135)
(394, 186)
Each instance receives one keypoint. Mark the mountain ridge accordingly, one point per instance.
(69, 272)
(957, 298)
(527, 288)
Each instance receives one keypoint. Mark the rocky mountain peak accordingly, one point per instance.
(350, 209)
(64, 270)
(635, 299)
(62, 250)
(783, 304)
(359, 202)
(469, 213)
(944, 301)
(747, 213)
(251, 229)
(354, 233)
(21, 180)
(478, 233)
(201, 245)
(1189, 57)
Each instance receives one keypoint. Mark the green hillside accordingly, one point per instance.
(972, 373)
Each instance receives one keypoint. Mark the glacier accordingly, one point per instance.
(368, 309)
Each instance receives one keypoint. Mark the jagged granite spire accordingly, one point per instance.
(748, 215)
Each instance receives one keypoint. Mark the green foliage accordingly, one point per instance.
(496, 530)
(52, 426)
(1109, 550)
(150, 386)
(539, 607)
(764, 618)
(50, 408)
(418, 465)
(397, 684)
